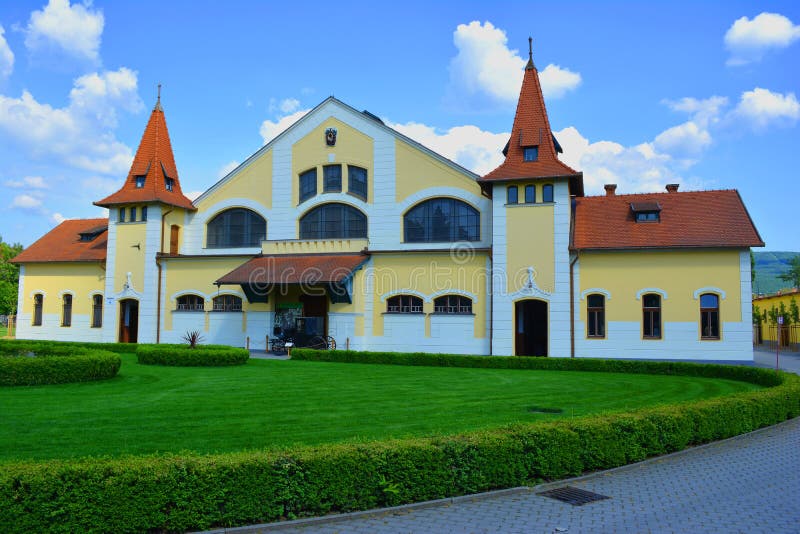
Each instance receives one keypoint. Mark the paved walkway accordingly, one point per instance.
(749, 484)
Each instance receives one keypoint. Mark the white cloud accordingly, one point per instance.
(557, 81)
(225, 169)
(57, 218)
(685, 139)
(289, 105)
(101, 187)
(484, 64)
(270, 129)
(192, 195)
(748, 40)
(761, 108)
(28, 182)
(469, 146)
(80, 134)
(6, 57)
(639, 168)
(75, 29)
(26, 202)
(704, 112)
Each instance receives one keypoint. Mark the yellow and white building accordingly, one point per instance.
(343, 227)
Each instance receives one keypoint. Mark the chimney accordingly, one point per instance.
(610, 189)
(672, 188)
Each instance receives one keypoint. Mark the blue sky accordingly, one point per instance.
(639, 93)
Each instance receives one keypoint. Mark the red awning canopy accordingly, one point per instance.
(295, 269)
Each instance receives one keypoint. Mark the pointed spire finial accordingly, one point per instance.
(158, 102)
(530, 64)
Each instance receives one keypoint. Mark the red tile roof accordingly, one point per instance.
(690, 219)
(63, 243)
(532, 128)
(295, 269)
(153, 160)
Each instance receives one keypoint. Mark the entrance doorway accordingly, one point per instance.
(530, 328)
(128, 320)
(315, 312)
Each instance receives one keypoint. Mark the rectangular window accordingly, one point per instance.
(530, 194)
(709, 316)
(144, 213)
(66, 311)
(651, 322)
(97, 311)
(357, 182)
(169, 183)
(547, 193)
(531, 153)
(647, 216)
(38, 301)
(596, 316)
(121, 217)
(512, 195)
(332, 179)
(308, 184)
(139, 182)
(133, 214)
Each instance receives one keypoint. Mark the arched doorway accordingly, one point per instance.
(530, 328)
(128, 320)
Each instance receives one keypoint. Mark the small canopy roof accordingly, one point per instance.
(295, 269)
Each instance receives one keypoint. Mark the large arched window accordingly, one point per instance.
(442, 220)
(236, 227)
(333, 221)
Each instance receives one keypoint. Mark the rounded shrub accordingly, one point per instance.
(183, 356)
(32, 364)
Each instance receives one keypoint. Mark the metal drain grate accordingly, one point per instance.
(573, 496)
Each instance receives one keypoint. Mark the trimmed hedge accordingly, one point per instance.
(24, 364)
(178, 492)
(744, 373)
(33, 344)
(181, 355)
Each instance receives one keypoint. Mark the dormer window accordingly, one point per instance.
(139, 181)
(530, 153)
(646, 211)
(169, 183)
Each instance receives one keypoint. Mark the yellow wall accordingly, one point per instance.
(764, 304)
(129, 258)
(82, 279)
(416, 171)
(427, 274)
(176, 216)
(679, 273)
(529, 234)
(352, 147)
(253, 182)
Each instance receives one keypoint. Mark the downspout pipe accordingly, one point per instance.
(572, 306)
(158, 267)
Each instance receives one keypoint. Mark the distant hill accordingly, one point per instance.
(768, 266)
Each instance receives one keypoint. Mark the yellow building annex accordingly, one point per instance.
(342, 231)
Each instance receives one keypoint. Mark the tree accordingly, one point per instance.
(9, 277)
(793, 274)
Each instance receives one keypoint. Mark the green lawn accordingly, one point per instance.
(276, 403)
(3, 331)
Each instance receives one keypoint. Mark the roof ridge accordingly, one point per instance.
(665, 193)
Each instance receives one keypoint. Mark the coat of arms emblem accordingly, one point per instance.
(330, 136)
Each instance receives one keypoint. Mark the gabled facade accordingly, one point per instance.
(343, 227)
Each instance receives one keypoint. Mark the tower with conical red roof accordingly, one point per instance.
(531, 208)
(146, 217)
